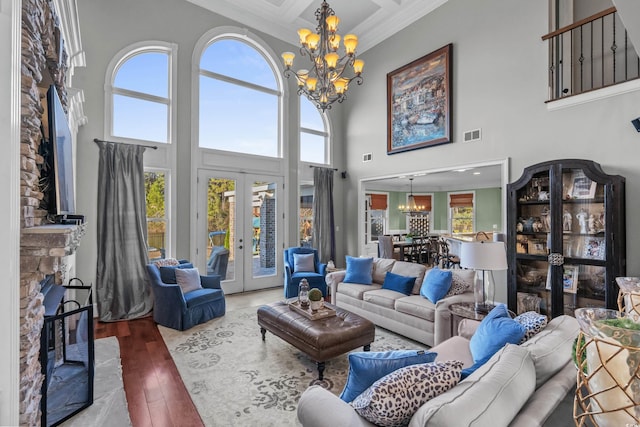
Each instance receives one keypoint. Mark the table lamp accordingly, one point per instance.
(485, 256)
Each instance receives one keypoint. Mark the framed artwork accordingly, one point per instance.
(569, 278)
(419, 103)
(537, 247)
(594, 248)
(582, 187)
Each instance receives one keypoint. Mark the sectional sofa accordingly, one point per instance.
(518, 386)
(413, 316)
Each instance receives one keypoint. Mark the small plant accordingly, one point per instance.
(574, 353)
(315, 294)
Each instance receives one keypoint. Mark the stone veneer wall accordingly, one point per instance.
(44, 249)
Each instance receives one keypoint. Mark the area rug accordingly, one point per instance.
(109, 401)
(236, 379)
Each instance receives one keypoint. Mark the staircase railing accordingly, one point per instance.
(590, 54)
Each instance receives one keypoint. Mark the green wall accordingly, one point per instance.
(488, 209)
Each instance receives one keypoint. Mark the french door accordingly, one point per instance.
(240, 213)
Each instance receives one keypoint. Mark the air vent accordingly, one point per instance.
(366, 157)
(472, 135)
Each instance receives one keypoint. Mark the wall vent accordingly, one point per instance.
(472, 135)
(366, 157)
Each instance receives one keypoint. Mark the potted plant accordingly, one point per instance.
(315, 298)
(408, 237)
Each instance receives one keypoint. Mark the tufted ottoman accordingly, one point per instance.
(320, 339)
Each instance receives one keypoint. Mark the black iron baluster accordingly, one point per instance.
(613, 46)
(581, 60)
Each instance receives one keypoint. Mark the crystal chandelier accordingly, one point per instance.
(329, 76)
(412, 208)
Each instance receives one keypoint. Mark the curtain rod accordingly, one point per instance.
(322, 167)
(96, 140)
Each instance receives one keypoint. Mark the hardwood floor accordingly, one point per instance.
(155, 393)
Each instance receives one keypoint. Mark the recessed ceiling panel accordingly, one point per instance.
(351, 13)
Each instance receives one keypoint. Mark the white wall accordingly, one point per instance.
(10, 13)
(499, 85)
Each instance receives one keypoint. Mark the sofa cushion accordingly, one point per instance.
(357, 291)
(366, 367)
(410, 269)
(395, 282)
(532, 322)
(491, 396)
(168, 273)
(359, 270)
(188, 279)
(394, 398)
(382, 297)
(380, 268)
(461, 281)
(436, 284)
(551, 348)
(416, 306)
(495, 330)
(303, 262)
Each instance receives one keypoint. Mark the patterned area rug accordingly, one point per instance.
(236, 379)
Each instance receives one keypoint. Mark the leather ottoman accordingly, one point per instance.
(320, 339)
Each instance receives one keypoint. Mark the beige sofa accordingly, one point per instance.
(412, 316)
(520, 386)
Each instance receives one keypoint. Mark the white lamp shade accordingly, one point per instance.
(483, 255)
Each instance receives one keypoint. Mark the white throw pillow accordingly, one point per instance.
(188, 279)
(303, 263)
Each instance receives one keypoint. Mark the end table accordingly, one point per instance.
(464, 310)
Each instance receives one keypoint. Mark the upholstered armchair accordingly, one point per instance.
(180, 310)
(308, 267)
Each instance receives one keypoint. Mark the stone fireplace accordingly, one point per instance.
(45, 249)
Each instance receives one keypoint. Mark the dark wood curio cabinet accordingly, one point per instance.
(565, 237)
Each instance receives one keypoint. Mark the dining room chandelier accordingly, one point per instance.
(329, 75)
(412, 208)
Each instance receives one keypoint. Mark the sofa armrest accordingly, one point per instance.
(467, 327)
(320, 408)
(442, 323)
(332, 279)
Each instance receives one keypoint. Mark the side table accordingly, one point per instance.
(464, 310)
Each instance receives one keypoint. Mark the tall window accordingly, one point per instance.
(157, 218)
(314, 138)
(461, 212)
(239, 99)
(141, 94)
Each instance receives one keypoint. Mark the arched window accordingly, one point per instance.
(141, 95)
(239, 99)
(314, 138)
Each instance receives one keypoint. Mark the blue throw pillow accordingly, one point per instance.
(367, 367)
(168, 274)
(436, 285)
(495, 330)
(359, 270)
(398, 283)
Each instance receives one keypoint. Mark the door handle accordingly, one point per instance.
(240, 247)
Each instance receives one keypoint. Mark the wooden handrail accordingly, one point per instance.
(579, 23)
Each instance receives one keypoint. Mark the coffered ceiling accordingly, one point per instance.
(371, 20)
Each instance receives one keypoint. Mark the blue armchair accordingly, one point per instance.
(176, 310)
(292, 278)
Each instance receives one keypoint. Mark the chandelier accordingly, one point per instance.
(328, 78)
(412, 208)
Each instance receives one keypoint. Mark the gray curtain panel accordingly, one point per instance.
(121, 280)
(324, 239)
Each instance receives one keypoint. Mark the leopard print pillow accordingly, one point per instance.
(393, 399)
(532, 322)
(461, 282)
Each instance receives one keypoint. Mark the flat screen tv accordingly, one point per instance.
(62, 144)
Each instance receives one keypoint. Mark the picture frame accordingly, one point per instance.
(582, 187)
(594, 248)
(569, 279)
(537, 247)
(419, 102)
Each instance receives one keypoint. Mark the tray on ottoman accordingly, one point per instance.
(325, 311)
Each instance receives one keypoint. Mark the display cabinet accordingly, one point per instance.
(565, 237)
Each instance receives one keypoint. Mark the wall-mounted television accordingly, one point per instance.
(62, 159)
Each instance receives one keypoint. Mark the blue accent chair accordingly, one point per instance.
(176, 310)
(292, 278)
(218, 260)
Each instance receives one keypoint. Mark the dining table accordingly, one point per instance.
(409, 248)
